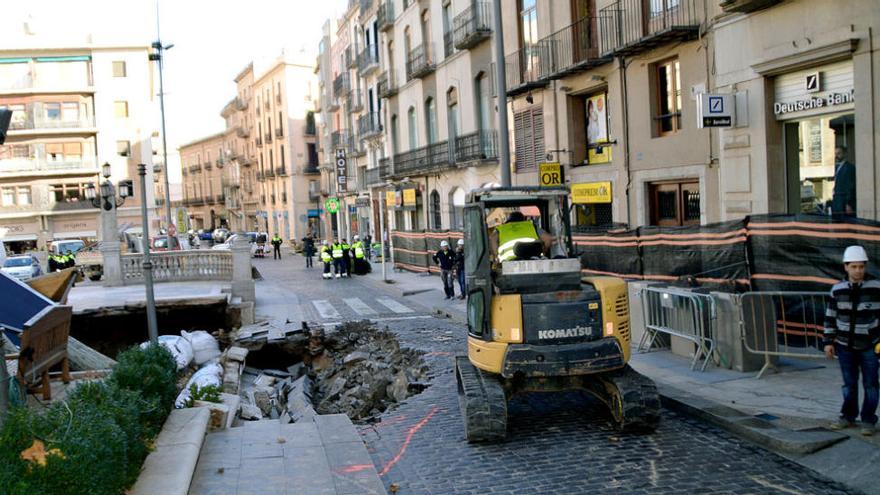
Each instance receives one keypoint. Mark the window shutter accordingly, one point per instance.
(538, 132)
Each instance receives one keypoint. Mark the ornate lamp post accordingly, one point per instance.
(104, 196)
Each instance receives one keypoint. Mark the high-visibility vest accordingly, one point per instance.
(359, 250)
(337, 251)
(513, 233)
(325, 254)
(346, 247)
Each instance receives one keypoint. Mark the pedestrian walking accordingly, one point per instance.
(338, 267)
(843, 196)
(276, 247)
(326, 259)
(459, 266)
(308, 250)
(851, 333)
(446, 259)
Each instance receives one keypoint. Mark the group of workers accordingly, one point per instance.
(451, 268)
(61, 261)
(345, 258)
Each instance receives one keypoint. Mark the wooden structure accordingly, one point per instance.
(44, 345)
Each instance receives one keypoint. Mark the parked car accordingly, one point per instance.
(63, 246)
(205, 235)
(227, 246)
(160, 243)
(22, 267)
(220, 235)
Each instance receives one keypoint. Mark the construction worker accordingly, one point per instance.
(851, 333)
(459, 266)
(338, 267)
(361, 265)
(516, 230)
(326, 258)
(346, 257)
(446, 259)
(276, 246)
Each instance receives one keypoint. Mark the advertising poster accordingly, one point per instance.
(597, 129)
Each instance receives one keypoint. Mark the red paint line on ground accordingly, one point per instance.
(412, 431)
(354, 468)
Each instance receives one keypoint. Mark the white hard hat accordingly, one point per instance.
(356, 237)
(855, 254)
(324, 242)
(461, 242)
(444, 244)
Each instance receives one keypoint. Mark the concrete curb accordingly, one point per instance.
(762, 432)
(169, 469)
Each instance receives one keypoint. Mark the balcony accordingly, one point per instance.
(340, 139)
(279, 132)
(523, 69)
(261, 177)
(366, 5)
(259, 142)
(350, 57)
(241, 104)
(387, 86)
(473, 25)
(281, 171)
(385, 15)
(310, 129)
(354, 101)
(220, 199)
(314, 191)
(376, 176)
(269, 173)
(746, 6)
(627, 27)
(355, 147)
(341, 85)
(207, 165)
(419, 62)
(476, 146)
(244, 161)
(242, 131)
(268, 137)
(195, 168)
(283, 196)
(157, 168)
(196, 201)
(427, 159)
(368, 60)
(220, 162)
(40, 165)
(272, 196)
(311, 170)
(34, 118)
(369, 125)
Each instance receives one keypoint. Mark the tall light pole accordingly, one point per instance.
(152, 327)
(501, 90)
(158, 57)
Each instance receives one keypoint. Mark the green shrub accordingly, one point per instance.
(208, 393)
(101, 431)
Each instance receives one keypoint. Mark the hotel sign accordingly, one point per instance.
(341, 168)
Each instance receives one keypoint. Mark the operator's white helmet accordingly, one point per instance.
(461, 242)
(855, 254)
(356, 237)
(444, 244)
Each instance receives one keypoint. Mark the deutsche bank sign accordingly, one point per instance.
(715, 111)
(340, 169)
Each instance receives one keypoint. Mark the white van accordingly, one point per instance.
(62, 246)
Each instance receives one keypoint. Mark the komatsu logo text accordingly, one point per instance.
(565, 333)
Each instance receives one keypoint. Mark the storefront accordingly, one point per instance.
(79, 227)
(591, 205)
(816, 109)
(20, 235)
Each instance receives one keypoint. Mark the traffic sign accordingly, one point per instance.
(332, 205)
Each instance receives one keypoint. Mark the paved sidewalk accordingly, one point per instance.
(787, 411)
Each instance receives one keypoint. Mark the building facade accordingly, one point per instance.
(261, 172)
(75, 108)
(614, 91)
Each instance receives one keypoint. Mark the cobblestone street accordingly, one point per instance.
(556, 443)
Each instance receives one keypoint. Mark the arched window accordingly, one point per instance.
(411, 129)
(431, 120)
(456, 209)
(435, 210)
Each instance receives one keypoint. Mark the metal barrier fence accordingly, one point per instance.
(681, 313)
(783, 324)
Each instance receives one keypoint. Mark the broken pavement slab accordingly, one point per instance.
(169, 468)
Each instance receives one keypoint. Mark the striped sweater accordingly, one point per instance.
(852, 318)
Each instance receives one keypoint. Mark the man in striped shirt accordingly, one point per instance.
(852, 329)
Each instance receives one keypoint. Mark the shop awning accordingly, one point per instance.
(21, 237)
(73, 235)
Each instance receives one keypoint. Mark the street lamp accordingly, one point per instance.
(107, 199)
(152, 327)
(157, 57)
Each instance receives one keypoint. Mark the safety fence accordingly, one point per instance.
(179, 266)
(685, 314)
(783, 324)
(414, 251)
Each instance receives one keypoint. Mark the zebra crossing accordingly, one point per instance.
(380, 308)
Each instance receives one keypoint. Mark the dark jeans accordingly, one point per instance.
(448, 282)
(338, 266)
(276, 254)
(461, 281)
(850, 364)
(327, 267)
(309, 262)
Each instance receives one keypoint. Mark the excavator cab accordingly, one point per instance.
(534, 323)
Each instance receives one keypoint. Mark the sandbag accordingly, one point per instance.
(179, 347)
(204, 346)
(210, 374)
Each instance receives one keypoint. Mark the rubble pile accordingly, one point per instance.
(294, 374)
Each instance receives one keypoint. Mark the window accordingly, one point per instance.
(528, 23)
(667, 83)
(120, 109)
(484, 103)
(123, 148)
(435, 210)
(24, 195)
(282, 156)
(426, 30)
(19, 116)
(411, 128)
(431, 120)
(53, 111)
(452, 114)
(68, 193)
(70, 112)
(8, 196)
(675, 203)
(456, 209)
(394, 135)
(312, 155)
(528, 129)
(119, 68)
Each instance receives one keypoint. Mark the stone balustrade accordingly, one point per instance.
(179, 266)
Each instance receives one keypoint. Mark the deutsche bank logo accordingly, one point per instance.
(716, 104)
(811, 83)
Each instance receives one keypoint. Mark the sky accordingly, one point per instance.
(213, 41)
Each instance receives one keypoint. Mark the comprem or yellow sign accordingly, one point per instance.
(390, 199)
(409, 197)
(591, 192)
(550, 174)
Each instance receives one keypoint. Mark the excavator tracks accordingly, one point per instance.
(483, 403)
(632, 399)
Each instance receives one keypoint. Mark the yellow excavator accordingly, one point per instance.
(534, 323)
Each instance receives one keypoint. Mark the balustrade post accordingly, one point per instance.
(242, 279)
